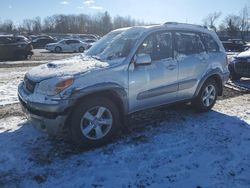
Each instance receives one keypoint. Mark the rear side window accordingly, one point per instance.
(73, 42)
(188, 43)
(210, 43)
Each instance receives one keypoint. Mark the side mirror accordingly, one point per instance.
(143, 59)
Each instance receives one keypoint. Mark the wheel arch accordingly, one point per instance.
(114, 92)
(215, 75)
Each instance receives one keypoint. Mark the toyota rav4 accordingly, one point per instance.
(128, 70)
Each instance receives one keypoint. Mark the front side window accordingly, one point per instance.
(188, 43)
(75, 41)
(157, 45)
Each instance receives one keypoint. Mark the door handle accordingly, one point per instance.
(171, 67)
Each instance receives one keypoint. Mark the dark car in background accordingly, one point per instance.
(14, 47)
(234, 45)
(239, 66)
(42, 42)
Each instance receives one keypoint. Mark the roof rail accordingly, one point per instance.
(187, 24)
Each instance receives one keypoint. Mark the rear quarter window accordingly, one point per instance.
(209, 42)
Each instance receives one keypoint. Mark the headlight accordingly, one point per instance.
(63, 85)
(54, 86)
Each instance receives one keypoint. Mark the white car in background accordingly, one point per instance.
(67, 45)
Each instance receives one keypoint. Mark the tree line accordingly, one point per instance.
(100, 23)
(232, 25)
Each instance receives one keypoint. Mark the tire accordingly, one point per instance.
(205, 101)
(81, 49)
(86, 123)
(58, 49)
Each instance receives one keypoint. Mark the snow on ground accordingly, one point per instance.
(9, 80)
(166, 148)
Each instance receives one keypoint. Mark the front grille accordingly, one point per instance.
(242, 68)
(29, 84)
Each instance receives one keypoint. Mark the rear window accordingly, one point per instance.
(209, 42)
(188, 43)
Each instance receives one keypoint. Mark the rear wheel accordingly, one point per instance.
(207, 96)
(94, 122)
(58, 49)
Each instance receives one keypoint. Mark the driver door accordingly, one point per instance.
(156, 83)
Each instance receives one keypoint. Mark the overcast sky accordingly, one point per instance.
(155, 11)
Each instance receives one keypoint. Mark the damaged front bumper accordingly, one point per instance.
(48, 117)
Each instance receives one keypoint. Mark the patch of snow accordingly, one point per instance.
(9, 80)
(175, 148)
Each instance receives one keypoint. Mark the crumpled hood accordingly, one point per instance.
(68, 67)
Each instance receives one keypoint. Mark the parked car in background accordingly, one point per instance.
(42, 42)
(239, 66)
(12, 47)
(234, 45)
(86, 36)
(128, 70)
(20, 38)
(67, 45)
(90, 42)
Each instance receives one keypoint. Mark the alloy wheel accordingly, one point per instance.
(96, 122)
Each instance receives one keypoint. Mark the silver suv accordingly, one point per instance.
(128, 70)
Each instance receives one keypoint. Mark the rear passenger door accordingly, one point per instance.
(192, 60)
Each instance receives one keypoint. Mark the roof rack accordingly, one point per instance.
(186, 24)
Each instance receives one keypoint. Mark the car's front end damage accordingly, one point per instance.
(239, 66)
(44, 112)
(47, 92)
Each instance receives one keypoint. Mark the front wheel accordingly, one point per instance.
(94, 122)
(207, 96)
(81, 49)
(58, 49)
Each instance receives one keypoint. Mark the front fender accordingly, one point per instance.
(119, 91)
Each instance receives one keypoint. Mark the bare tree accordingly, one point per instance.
(28, 25)
(231, 25)
(37, 25)
(211, 19)
(7, 26)
(245, 25)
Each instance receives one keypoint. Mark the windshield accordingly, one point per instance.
(116, 44)
(61, 41)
